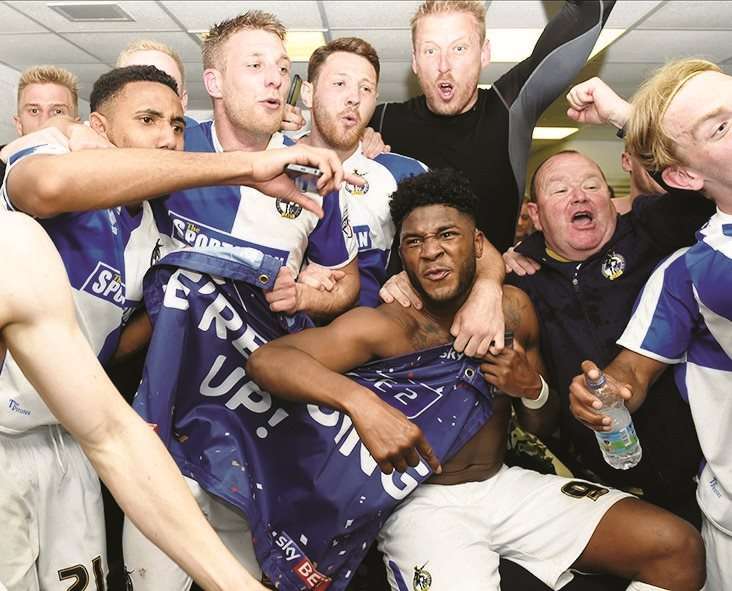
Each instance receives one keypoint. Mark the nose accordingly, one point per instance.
(578, 195)
(431, 248)
(169, 139)
(443, 63)
(352, 96)
(273, 76)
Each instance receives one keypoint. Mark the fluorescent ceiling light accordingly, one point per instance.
(300, 45)
(553, 133)
(515, 45)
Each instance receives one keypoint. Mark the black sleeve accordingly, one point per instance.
(377, 119)
(671, 220)
(559, 54)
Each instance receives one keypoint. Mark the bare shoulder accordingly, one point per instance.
(519, 314)
(30, 268)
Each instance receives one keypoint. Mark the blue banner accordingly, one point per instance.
(313, 495)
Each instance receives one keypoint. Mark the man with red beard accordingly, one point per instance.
(341, 92)
(594, 263)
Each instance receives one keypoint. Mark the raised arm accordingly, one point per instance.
(45, 185)
(38, 327)
(559, 54)
(315, 360)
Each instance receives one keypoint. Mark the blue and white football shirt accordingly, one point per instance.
(684, 317)
(370, 217)
(92, 246)
(242, 216)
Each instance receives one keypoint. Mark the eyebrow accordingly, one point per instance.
(711, 115)
(437, 231)
(152, 112)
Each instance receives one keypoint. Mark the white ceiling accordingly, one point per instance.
(32, 33)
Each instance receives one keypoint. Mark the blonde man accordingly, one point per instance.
(45, 92)
(678, 124)
(247, 75)
(486, 134)
(145, 52)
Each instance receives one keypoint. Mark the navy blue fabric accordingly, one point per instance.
(310, 490)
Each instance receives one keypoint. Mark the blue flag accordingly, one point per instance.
(313, 495)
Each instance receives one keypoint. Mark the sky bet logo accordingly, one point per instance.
(302, 567)
(106, 282)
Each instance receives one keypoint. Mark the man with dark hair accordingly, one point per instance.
(480, 508)
(106, 250)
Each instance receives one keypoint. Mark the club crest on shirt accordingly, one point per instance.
(288, 209)
(422, 580)
(355, 190)
(613, 266)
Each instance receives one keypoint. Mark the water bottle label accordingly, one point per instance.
(619, 442)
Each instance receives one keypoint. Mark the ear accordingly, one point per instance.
(18, 127)
(99, 123)
(485, 54)
(212, 82)
(479, 238)
(184, 99)
(533, 210)
(625, 162)
(414, 61)
(306, 94)
(681, 177)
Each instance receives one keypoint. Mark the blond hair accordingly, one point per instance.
(149, 45)
(50, 75)
(252, 20)
(645, 136)
(474, 8)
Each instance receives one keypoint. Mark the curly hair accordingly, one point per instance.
(436, 187)
(110, 84)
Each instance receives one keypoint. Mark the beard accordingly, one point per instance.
(329, 129)
(466, 277)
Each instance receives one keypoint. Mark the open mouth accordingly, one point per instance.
(446, 90)
(437, 274)
(582, 218)
(272, 103)
(350, 119)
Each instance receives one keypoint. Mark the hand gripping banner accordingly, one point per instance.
(313, 495)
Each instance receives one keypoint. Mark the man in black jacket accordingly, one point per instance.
(593, 265)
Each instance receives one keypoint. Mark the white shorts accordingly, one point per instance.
(150, 569)
(451, 537)
(51, 514)
(718, 546)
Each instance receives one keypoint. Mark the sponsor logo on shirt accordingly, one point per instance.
(15, 407)
(363, 237)
(106, 282)
(196, 234)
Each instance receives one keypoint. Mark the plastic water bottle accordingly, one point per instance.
(620, 447)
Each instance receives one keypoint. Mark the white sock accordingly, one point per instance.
(638, 586)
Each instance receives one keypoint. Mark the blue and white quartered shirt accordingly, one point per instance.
(684, 317)
(242, 216)
(93, 247)
(370, 217)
